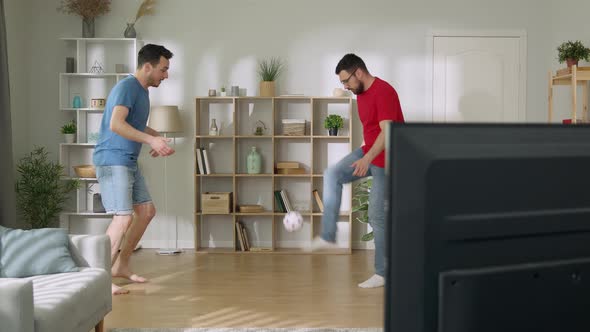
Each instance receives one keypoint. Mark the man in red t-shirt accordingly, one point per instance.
(378, 104)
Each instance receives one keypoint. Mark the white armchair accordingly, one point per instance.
(75, 301)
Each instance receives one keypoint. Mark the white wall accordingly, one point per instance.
(218, 42)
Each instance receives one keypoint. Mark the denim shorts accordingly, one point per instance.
(121, 188)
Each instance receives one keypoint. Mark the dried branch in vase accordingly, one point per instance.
(87, 9)
(146, 8)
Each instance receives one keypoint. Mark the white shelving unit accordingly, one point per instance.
(88, 84)
(237, 118)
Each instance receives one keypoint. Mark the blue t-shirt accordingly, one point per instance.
(112, 149)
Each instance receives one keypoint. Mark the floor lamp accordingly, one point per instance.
(166, 119)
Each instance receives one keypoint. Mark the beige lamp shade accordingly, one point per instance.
(165, 119)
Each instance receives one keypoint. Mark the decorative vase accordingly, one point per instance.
(213, 130)
(130, 31)
(571, 62)
(88, 28)
(254, 162)
(267, 89)
(70, 138)
(333, 131)
(77, 102)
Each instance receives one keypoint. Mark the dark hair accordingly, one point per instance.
(151, 53)
(350, 62)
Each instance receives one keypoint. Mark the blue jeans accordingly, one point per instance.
(334, 178)
(121, 188)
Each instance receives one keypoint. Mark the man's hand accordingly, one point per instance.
(160, 146)
(153, 153)
(361, 167)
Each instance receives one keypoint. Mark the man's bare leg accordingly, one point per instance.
(144, 213)
(119, 225)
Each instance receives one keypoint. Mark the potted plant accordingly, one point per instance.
(88, 10)
(69, 131)
(40, 190)
(360, 204)
(333, 122)
(268, 71)
(222, 90)
(571, 52)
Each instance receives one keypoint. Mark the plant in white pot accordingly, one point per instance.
(268, 71)
(69, 131)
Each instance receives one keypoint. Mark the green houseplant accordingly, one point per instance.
(572, 51)
(69, 131)
(333, 122)
(269, 71)
(360, 204)
(40, 190)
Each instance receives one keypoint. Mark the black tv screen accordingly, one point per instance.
(488, 228)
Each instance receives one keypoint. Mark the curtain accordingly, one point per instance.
(7, 195)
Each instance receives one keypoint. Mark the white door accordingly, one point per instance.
(478, 79)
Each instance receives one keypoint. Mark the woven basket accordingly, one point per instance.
(85, 171)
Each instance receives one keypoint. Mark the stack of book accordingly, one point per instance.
(203, 166)
(289, 167)
(282, 200)
(244, 244)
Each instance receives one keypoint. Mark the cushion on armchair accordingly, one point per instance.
(25, 253)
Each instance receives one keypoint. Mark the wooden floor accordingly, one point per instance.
(249, 290)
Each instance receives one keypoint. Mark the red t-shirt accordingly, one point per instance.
(377, 103)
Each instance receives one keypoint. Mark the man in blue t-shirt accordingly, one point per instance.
(123, 130)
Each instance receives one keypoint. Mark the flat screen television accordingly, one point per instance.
(488, 228)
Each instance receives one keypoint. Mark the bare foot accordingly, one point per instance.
(119, 272)
(116, 290)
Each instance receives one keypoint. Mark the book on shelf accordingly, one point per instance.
(287, 164)
(245, 234)
(299, 170)
(285, 198)
(279, 201)
(318, 200)
(199, 161)
(206, 161)
(240, 237)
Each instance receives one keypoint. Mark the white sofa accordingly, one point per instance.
(64, 302)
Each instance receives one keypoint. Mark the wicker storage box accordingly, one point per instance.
(216, 203)
(293, 127)
(85, 171)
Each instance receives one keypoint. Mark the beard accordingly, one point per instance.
(359, 89)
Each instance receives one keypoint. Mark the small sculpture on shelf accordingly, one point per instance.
(97, 68)
(260, 128)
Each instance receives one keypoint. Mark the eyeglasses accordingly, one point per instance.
(349, 77)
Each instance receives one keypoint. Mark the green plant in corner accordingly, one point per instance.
(40, 191)
(360, 204)
(572, 50)
(333, 121)
(69, 128)
(270, 69)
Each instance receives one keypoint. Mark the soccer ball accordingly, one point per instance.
(293, 221)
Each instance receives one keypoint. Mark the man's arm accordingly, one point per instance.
(361, 166)
(120, 127)
(150, 131)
